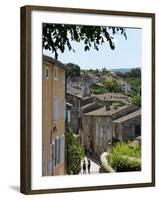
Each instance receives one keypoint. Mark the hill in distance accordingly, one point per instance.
(123, 70)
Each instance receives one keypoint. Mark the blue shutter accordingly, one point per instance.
(56, 152)
(62, 148)
(64, 110)
(59, 150)
(55, 113)
(53, 155)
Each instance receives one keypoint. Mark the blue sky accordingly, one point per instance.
(127, 53)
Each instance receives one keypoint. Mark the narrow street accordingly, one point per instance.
(94, 169)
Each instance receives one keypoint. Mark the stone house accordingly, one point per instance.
(53, 117)
(80, 105)
(97, 134)
(81, 84)
(125, 86)
(127, 127)
(110, 98)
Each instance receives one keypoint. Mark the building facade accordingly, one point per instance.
(53, 117)
(127, 127)
(98, 130)
(97, 133)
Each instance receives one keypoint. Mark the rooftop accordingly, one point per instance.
(128, 117)
(111, 96)
(114, 97)
(77, 95)
(103, 112)
(89, 105)
(54, 61)
(83, 78)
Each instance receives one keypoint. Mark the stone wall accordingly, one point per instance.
(97, 133)
(126, 130)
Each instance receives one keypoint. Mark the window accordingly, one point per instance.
(55, 109)
(56, 152)
(68, 116)
(53, 157)
(59, 150)
(62, 148)
(137, 130)
(55, 73)
(64, 110)
(46, 73)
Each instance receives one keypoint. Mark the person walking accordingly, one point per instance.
(84, 167)
(89, 166)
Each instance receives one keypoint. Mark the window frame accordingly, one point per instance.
(46, 77)
(55, 73)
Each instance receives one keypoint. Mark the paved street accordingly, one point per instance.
(94, 167)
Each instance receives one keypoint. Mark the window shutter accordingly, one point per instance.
(59, 150)
(63, 145)
(56, 152)
(64, 110)
(53, 155)
(62, 148)
(55, 73)
(47, 73)
(55, 107)
(68, 116)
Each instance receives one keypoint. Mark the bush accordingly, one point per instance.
(136, 100)
(125, 158)
(75, 153)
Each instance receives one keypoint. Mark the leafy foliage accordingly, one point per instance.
(59, 36)
(136, 100)
(120, 157)
(115, 105)
(72, 70)
(75, 153)
(135, 86)
(113, 86)
(124, 164)
(134, 73)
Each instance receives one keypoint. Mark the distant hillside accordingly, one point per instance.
(123, 70)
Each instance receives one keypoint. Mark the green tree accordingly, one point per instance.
(113, 86)
(136, 100)
(134, 73)
(135, 84)
(75, 153)
(72, 70)
(104, 71)
(56, 37)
